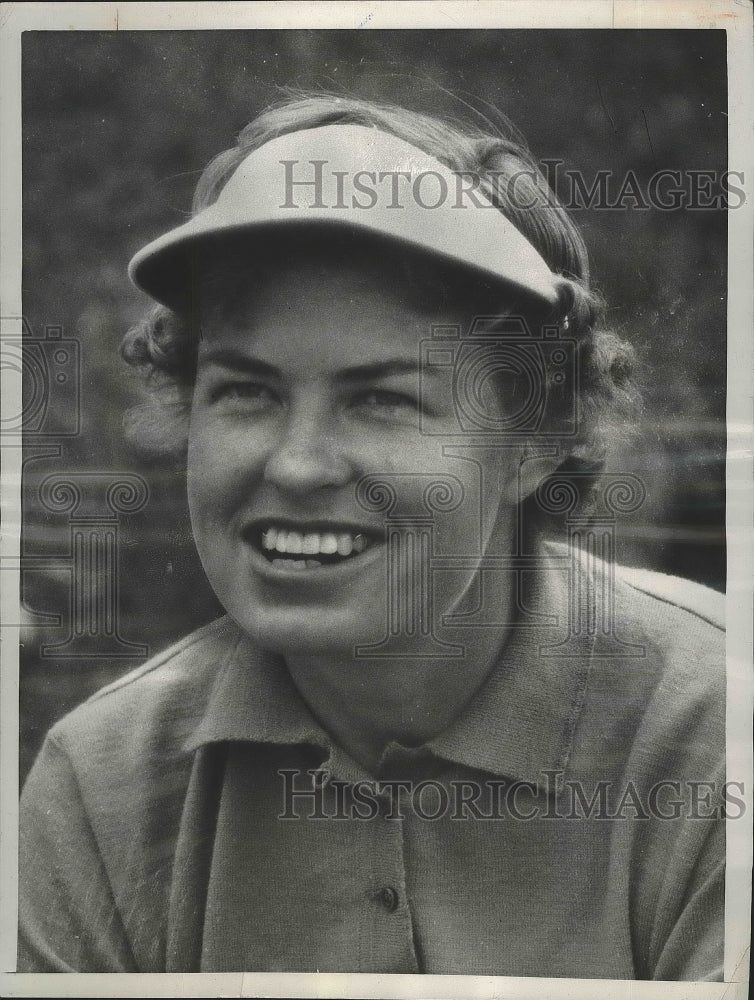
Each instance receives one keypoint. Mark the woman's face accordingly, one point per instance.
(307, 381)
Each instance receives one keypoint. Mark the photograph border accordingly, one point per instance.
(736, 18)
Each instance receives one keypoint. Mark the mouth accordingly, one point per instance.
(308, 547)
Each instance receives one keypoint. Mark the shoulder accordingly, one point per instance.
(659, 641)
(654, 701)
(680, 623)
(680, 627)
(668, 610)
(687, 598)
(154, 707)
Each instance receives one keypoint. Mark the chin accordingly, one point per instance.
(298, 632)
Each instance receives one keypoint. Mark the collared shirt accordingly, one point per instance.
(195, 816)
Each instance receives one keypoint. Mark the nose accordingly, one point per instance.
(307, 454)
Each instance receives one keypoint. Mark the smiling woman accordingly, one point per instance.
(381, 402)
(292, 407)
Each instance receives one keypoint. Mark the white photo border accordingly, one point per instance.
(736, 18)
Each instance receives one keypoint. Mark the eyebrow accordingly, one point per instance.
(229, 358)
(225, 358)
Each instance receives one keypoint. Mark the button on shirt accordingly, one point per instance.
(194, 816)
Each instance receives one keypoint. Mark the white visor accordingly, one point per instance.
(365, 180)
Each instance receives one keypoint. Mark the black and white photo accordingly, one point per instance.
(380, 598)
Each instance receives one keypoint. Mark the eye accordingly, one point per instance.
(254, 395)
(386, 399)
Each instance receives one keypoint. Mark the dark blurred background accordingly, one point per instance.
(119, 125)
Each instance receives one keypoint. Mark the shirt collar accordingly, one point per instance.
(519, 725)
(254, 699)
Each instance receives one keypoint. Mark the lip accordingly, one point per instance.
(334, 573)
(322, 525)
(328, 573)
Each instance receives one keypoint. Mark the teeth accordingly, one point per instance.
(269, 538)
(293, 542)
(291, 563)
(297, 563)
(328, 545)
(311, 544)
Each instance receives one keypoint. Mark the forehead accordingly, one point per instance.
(313, 319)
(338, 274)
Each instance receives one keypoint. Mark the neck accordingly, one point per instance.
(365, 703)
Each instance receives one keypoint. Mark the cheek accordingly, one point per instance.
(490, 475)
(489, 480)
(203, 462)
(221, 465)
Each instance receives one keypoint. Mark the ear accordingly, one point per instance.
(538, 461)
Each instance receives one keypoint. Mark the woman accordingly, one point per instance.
(413, 745)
